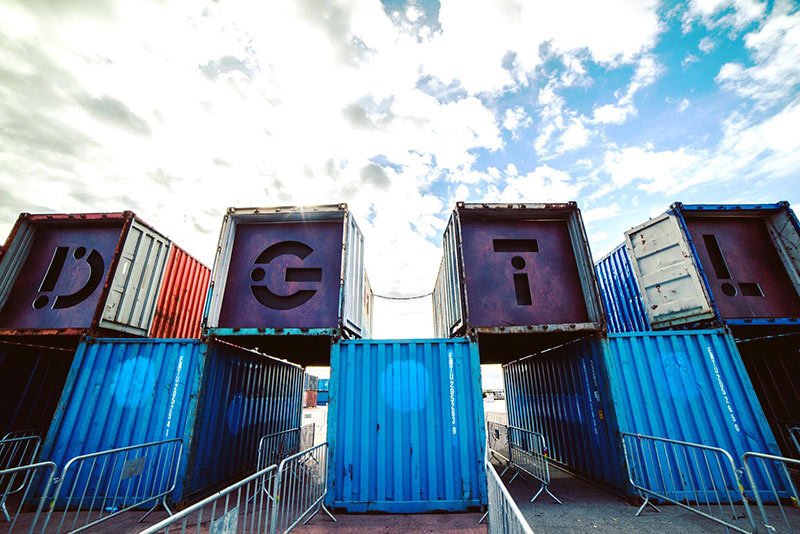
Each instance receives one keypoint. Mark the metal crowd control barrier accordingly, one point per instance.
(760, 462)
(699, 478)
(503, 514)
(794, 433)
(41, 473)
(528, 452)
(241, 508)
(497, 443)
(275, 447)
(114, 481)
(16, 450)
(300, 489)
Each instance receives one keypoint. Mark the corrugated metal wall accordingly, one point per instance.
(620, 291)
(245, 396)
(448, 313)
(406, 426)
(564, 394)
(125, 392)
(219, 399)
(688, 385)
(183, 292)
(33, 378)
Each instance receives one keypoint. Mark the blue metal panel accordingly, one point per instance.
(322, 398)
(126, 392)
(324, 384)
(688, 385)
(218, 398)
(621, 296)
(564, 394)
(244, 396)
(406, 426)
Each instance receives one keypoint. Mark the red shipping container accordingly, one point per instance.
(309, 399)
(183, 294)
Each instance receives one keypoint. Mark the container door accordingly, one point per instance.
(353, 317)
(132, 298)
(666, 269)
(447, 303)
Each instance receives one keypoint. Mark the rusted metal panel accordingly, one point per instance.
(714, 264)
(288, 271)
(183, 293)
(519, 268)
(70, 274)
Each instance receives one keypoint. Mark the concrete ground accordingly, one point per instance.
(395, 524)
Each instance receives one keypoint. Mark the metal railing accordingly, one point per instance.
(497, 443)
(40, 473)
(241, 508)
(794, 434)
(16, 450)
(503, 514)
(275, 447)
(769, 468)
(528, 454)
(699, 478)
(300, 488)
(112, 482)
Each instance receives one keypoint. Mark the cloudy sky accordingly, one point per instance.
(177, 110)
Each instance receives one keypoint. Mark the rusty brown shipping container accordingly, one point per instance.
(65, 275)
(180, 303)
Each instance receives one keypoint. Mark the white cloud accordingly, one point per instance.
(775, 49)
(612, 114)
(602, 212)
(544, 184)
(688, 60)
(575, 136)
(733, 13)
(706, 45)
(683, 105)
(516, 119)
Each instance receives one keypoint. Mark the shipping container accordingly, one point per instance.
(309, 399)
(310, 382)
(289, 272)
(322, 398)
(179, 310)
(620, 292)
(33, 377)
(737, 265)
(688, 385)
(406, 427)
(324, 384)
(516, 269)
(220, 399)
(96, 273)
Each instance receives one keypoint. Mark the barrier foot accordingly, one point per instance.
(324, 509)
(644, 504)
(5, 511)
(508, 466)
(546, 489)
(485, 514)
(516, 474)
(163, 503)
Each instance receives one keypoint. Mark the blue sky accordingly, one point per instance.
(178, 110)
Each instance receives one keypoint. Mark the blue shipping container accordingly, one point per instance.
(218, 398)
(406, 427)
(689, 386)
(620, 292)
(322, 398)
(324, 384)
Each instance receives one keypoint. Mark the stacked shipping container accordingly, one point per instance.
(290, 280)
(515, 275)
(736, 266)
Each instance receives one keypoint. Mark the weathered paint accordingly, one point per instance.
(620, 291)
(33, 377)
(219, 399)
(72, 274)
(689, 386)
(713, 264)
(405, 424)
(288, 271)
(521, 268)
(183, 293)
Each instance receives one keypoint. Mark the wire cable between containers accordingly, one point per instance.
(414, 297)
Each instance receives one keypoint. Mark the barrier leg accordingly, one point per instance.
(484, 516)
(646, 503)
(546, 489)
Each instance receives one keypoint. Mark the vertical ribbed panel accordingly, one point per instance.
(620, 292)
(690, 386)
(126, 392)
(33, 378)
(183, 292)
(245, 396)
(563, 394)
(406, 426)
